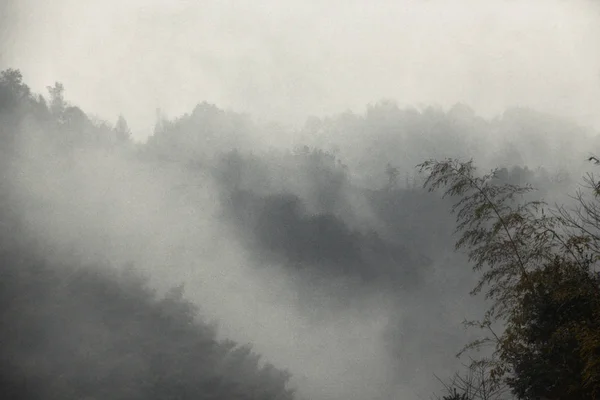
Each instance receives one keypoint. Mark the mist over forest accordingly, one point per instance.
(260, 244)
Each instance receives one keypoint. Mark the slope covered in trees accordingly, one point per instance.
(73, 330)
(349, 250)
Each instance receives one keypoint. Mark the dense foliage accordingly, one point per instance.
(539, 270)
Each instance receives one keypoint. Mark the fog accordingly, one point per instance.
(286, 60)
(329, 265)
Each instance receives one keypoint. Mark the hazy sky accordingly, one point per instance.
(284, 60)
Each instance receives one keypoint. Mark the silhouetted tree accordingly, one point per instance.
(122, 131)
(57, 99)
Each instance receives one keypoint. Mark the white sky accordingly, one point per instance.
(285, 60)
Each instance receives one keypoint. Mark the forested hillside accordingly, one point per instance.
(75, 329)
(205, 264)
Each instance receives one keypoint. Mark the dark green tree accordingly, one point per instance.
(537, 267)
